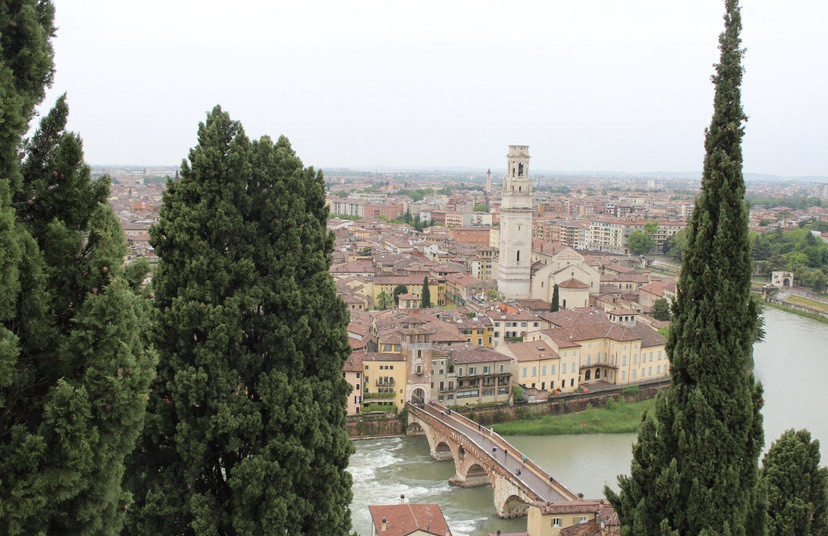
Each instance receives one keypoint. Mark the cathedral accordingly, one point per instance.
(527, 272)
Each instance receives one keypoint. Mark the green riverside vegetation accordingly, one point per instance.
(617, 417)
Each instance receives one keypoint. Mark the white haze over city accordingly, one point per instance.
(589, 85)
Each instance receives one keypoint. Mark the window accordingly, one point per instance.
(543, 370)
(534, 371)
(563, 368)
(553, 370)
(486, 369)
(623, 375)
(460, 371)
(471, 371)
(624, 361)
(556, 522)
(524, 372)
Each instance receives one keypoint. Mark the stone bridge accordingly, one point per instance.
(482, 457)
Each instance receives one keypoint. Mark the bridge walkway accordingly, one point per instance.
(534, 477)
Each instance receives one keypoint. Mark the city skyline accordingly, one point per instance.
(591, 87)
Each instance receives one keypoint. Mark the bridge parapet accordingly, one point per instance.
(483, 457)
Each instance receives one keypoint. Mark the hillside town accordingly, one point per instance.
(492, 290)
(581, 319)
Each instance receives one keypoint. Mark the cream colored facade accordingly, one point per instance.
(560, 267)
(515, 259)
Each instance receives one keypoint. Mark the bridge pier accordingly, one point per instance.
(469, 481)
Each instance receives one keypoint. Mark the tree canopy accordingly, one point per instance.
(795, 486)
(74, 369)
(425, 297)
(246, 433)
(694, 467)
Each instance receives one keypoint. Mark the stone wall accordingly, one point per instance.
(391, 425)
(374, 426)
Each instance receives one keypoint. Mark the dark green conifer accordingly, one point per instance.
(247, 427)
(26, 70)
(76, 371)
(425, 297)
(695, 470)
(795, 486)
(556, 299)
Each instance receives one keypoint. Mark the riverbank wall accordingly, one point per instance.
(370, 426)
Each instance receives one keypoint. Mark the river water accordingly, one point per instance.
(792, 364)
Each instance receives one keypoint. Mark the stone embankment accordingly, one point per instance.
(369, 426)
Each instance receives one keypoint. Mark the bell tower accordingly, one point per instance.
(515, 261)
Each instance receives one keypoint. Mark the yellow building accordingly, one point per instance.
(611, 347)
(596, 516)
(384, 382)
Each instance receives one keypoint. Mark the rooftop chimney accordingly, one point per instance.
(384, 525)
(402, 499)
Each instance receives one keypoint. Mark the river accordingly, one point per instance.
(792, 364)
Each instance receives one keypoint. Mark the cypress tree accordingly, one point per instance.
(26, 70)
(695, 468)
(77, 373)
(247, 427)
(795, 485)
(556, 299)
(425, 298)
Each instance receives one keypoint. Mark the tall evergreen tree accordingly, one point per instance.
(26, 70)
(77, 373)
(796, 486)
(425, 297)
(247, 428)
(556, 299)
(694, 470)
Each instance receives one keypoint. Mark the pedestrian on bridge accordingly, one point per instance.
(494, 449)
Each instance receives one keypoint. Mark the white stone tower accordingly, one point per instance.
(513, 275)
(489, 181)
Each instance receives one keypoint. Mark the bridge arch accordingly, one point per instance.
(454, 437)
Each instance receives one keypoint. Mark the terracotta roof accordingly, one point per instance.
(404, 519)
(573, 283)
(353, 363)
(532, 351)
(475, 354)
(377, 356)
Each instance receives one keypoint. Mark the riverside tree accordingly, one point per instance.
(74, 371)
(247, 428)
(694, 468)
(795, 486)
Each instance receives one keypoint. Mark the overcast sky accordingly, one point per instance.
(589, 85)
